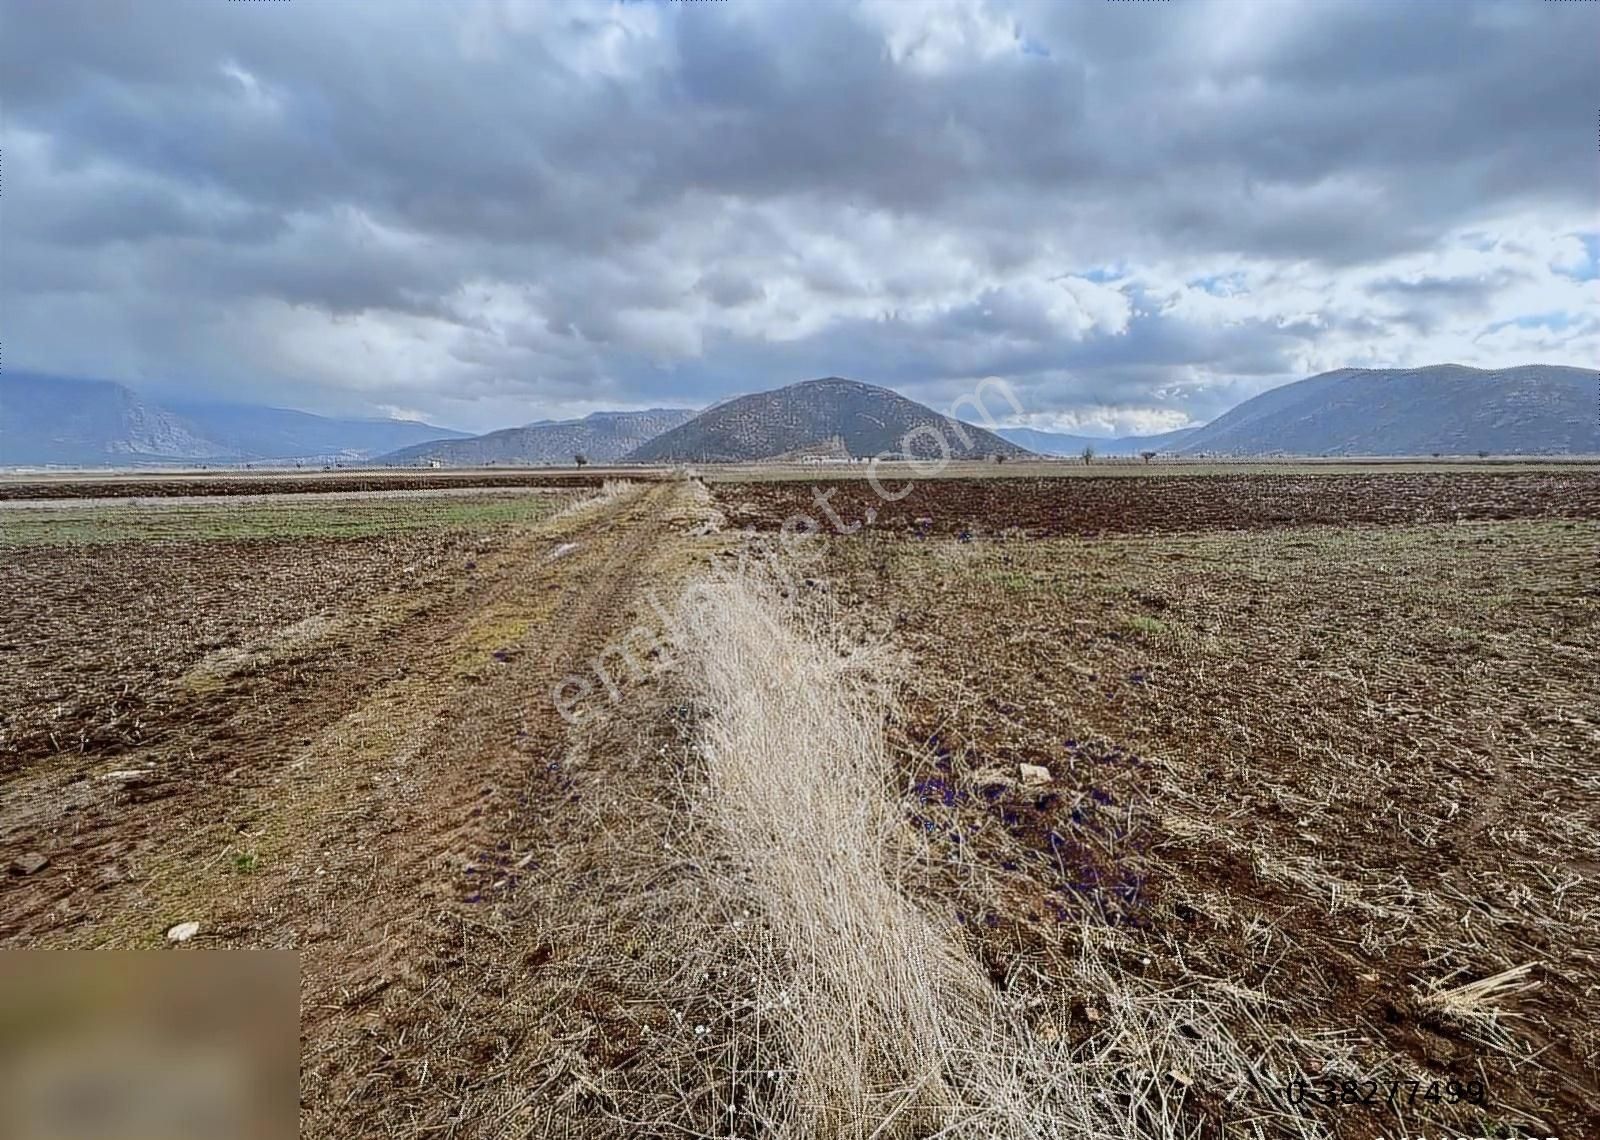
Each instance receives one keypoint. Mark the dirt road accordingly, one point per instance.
(377, 815)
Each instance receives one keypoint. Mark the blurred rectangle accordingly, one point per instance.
(124, 1044)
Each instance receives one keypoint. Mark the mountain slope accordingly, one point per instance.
(601, 437)
(1059, 443)
(832, 416)
(90, 423)
(1447, 408)
(281, 433)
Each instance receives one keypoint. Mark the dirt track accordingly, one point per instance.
(370, 809)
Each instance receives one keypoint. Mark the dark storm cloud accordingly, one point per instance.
(816, 103)
(1469, 291)
(493, 208)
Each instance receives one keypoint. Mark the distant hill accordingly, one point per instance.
(832, 417)
(90, 423)
(1059, 443)
(99, 423)
(1446, 409)
(601, 437)
(1536, 409)
(280, 433)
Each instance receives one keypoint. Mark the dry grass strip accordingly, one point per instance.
(887, 1023)
(872, 1013)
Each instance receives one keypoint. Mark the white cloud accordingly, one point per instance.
(942, 35)
(511, 207)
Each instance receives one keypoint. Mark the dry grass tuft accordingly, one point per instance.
(1478, 1005)
(609, 492)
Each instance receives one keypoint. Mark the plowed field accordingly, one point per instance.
(1085, 505)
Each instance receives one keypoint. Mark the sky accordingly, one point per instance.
(481, 214)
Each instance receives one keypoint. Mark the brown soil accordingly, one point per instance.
(1087, 505)
(377, 790)
(1333, 765)
(95, 641)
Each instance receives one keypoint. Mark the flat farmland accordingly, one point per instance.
(1112, 806)
(315, 728)
(112, 611)
(1321, 753)
(1313, 779)
(129, 485)
(1145, 500)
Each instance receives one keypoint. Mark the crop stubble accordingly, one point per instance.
(1340, 766)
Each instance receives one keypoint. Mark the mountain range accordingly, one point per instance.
(1059, 443)
(601, 437)
(99, 423)
(1444, 409)
(829, 418)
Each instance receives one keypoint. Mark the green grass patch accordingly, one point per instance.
(1145, 625)
(75, 526)
(1011, 580)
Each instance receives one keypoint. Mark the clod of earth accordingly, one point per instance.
(29, 864)
(1034, 774)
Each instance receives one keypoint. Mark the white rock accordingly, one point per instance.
(1034, 774)
(183, 932)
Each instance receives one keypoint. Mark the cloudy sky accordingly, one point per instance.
(485, 213)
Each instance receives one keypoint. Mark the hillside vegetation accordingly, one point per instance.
(601, 437)
(99, 423)
(1538, 409)
(831, 416)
